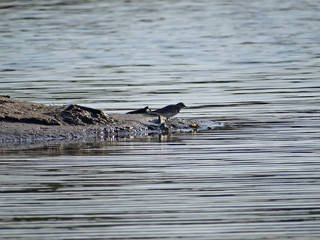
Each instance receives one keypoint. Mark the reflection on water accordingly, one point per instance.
(253, 66)
(91, 146)
(229, 184)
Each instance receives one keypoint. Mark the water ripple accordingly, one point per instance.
(252, 67)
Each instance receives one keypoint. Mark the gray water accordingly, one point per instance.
(253, 65)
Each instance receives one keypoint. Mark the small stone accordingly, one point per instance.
(194, 125)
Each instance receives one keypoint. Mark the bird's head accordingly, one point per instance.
(147, 109)
(181, 105)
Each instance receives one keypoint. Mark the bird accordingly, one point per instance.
(168, 111)
(140, 111)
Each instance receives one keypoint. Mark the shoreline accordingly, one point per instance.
(27, 122)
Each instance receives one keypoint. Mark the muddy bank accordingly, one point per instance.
(14, 110)
(22, 121)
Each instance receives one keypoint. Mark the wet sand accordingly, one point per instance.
(22, 121)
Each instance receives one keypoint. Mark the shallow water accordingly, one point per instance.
(252, 65)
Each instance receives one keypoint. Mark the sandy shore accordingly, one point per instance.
(22, 121)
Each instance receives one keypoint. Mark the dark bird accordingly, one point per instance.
(140, 111)
(168, 111)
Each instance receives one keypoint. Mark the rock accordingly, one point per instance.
(80, 115)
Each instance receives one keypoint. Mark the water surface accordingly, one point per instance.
(251, 64)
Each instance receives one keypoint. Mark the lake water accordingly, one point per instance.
(251, 64)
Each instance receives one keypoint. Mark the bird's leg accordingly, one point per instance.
(161, 119)
(170, 123)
